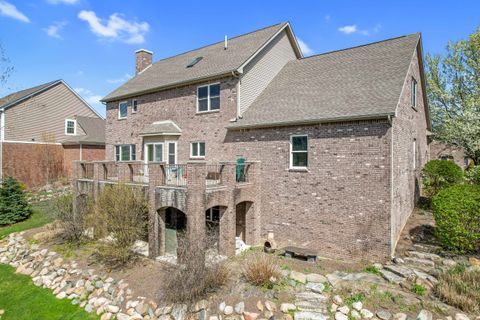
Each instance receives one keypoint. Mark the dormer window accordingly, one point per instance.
(70, 127)
(414, 93)
(208, 98)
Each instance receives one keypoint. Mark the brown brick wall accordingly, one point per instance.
(439, 149)
(89, 153)
(409, 124)
(28, 162)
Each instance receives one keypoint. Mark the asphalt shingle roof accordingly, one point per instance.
(94, 131)
(216, 61)
(359, 82)
(161, 127)
(19, 95)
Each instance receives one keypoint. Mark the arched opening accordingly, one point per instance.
(243, 225)
(172, 231)
(212, 227)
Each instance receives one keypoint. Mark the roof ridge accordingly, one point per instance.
(30, 88)
(212, 44)
(24, 93)
(360, 46)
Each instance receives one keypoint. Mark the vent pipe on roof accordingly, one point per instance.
(226, 43)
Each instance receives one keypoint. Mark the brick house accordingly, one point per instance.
(44, 129)
(333, 144)
(446, 151)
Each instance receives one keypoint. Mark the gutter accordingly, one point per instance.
(312, 121)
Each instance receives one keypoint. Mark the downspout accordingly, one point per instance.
(392, 240)
(2, 138)
(81, 152)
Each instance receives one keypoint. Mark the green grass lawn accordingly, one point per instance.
(22, 300)
(42, 214)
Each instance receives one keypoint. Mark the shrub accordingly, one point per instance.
(120, 213)
(262, 271)
(192, 280)
(440, 174)
(457, 217)
(13, 204)
(72, 222)
(472, 174)
(460, 288)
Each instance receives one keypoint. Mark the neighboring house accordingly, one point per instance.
(336, 140)
(45, 128)
(446, 151)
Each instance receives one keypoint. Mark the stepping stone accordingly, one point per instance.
(315, 287)
(311, 296)
(420, 262)
(425, 255)
(310, 306)
(401, 271)
(391, 277)
(309, 315)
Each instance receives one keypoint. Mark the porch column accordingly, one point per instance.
(253, 219)
(156, 226)
(195, 201)
(226, 244)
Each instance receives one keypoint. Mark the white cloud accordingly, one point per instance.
(9, 10)
(62, 1)
(350, 29)
(306, 50)
(125, 77)
(115, 28)
(90, 97)
(54, 29)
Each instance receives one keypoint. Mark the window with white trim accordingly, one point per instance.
(134, 106)
(197, 150)
(125, 152)
(298, 151)
(414, 93)
(213, 215)
(155, 152)
(70, 127)
(208, 98)
(122, 110)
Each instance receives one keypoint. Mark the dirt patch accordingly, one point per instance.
(418, 230)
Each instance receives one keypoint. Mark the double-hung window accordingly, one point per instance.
(197, 150)
(122, 110)
(134, 106)
(208, 98)
(125, 152)
(70, 127)
(155, 152)
(299, 152)
(414, 93)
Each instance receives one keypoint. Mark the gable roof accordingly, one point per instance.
(19, 96)
(356, 83)
(215, 62)
(94, 129)
(26, 93)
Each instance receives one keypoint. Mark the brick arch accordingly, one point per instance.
(174, 198)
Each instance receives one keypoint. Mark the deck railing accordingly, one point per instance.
(214, 174)
(175, 174)
(160, 173)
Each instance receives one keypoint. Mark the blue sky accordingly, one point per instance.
(90, 44)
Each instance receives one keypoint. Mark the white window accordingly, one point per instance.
(299, 151)
(213, 214)
(134, 105)
(208, 98)
(125, 152)
(155, 152)
(70, 127)
(197, 150)
(172, 152)
(122, 110)
(414, 93)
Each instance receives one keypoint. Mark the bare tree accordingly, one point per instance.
(6, 68)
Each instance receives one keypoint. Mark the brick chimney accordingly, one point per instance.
(143, 59)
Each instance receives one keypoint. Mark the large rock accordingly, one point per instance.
(317, 287)
(309, 315)
(461, 316)
(298, 276)
(384, 315)
(400, 271)
(286, 307)
(391, 277)
(340, 316)
(179, 311)
(424, 315)
(315, 277)
(399, 316)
